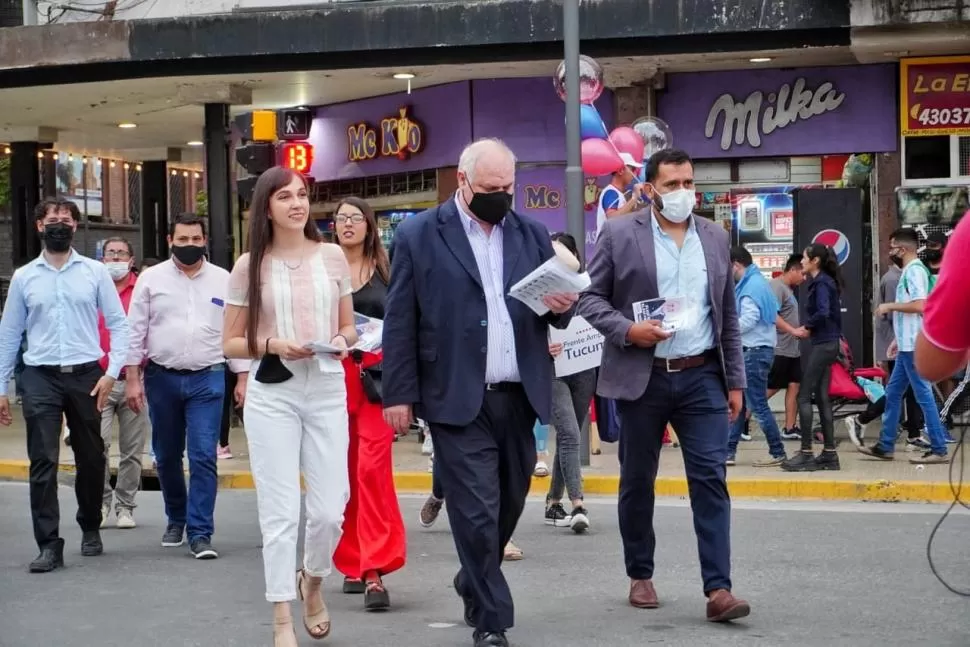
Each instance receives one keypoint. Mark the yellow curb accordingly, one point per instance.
(608, 485)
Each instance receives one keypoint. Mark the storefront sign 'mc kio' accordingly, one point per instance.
(399, 136)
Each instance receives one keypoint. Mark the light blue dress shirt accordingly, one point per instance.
(683, 272)
(755, 333)
(59, 310)
(501, 360)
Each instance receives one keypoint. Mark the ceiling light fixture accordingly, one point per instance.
(761, 59)
(127, 124)
(6, 151)
(194, 142)
(405, 76)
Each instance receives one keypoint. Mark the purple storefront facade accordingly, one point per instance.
(373, 137)
(783, 112)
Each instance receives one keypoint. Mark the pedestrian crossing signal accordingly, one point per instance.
(297, 156)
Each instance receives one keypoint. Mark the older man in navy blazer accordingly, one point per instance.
(692, 378)
(474, 363)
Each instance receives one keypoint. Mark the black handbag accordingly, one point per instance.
(271, 369)
(370, 378)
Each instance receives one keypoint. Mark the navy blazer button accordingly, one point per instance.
(484, 322)
(484, 349)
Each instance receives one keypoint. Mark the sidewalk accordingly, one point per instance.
(861, 478)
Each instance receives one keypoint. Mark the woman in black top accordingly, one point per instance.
(373, 542)
(823, 309)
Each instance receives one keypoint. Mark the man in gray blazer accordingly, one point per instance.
(692, 378)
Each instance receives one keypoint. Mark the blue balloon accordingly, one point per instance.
(591, 125)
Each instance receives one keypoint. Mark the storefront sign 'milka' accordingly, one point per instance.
(399, 136)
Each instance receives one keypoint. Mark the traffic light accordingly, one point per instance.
(257, 154)
(256, 158)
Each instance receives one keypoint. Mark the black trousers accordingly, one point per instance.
(486, 469)
(49, 394)
(228, 404)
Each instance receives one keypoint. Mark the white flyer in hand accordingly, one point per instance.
(673, 313)
(323, 348)
(369, 333)
(552, 277)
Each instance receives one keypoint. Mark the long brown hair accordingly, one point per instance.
(374, 250)
(261, 237)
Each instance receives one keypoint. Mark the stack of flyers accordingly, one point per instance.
(672, 313)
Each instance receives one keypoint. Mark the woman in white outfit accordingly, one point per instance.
(289, 290)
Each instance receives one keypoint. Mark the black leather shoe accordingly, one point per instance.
(91, 545)
(491, 639)
(469, 605)
(50, 557)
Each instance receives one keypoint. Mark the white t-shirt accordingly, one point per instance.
(610, 198)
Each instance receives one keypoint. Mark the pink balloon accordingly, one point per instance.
(600, 158)
(627, 140)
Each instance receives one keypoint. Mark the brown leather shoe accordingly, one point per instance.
(643, 595)
(722, 606)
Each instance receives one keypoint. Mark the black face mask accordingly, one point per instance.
(58, 236)
(188, 254)
(897, 260)
(932, 256)
(491, 207)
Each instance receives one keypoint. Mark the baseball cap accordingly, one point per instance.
(629, 161)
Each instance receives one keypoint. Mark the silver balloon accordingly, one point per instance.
(655, 133)
(590, 80)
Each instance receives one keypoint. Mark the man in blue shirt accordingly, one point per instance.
(758, 315)
(56, 299)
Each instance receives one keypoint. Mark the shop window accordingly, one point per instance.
(963, 157)
(926, 158)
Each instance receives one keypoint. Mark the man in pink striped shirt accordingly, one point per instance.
(176, 317)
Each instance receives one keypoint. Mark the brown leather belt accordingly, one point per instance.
(678, 364)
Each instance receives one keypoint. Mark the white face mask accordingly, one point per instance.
(678, 204)
(118, 270)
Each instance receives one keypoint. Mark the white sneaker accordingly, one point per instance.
(856, 430)
(427, 448)
(105, 513)
(125, 520)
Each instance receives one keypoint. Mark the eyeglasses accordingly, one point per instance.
(342, 218)
(122, 255)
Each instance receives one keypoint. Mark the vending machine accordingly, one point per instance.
(839, 218)
(763, 221)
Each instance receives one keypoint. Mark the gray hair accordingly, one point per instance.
(468, 161)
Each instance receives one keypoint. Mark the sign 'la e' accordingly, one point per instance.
(757, 115)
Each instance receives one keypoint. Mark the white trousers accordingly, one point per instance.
(300, 424)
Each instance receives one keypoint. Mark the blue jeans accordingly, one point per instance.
(757, 366)
(186, 408)
(905, 375)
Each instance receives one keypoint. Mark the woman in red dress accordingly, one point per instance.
(373, 542)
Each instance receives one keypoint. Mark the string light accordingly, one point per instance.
(174, 172)
(112, 164)
(7, 151)
(84, 160)
(56, 156)
(126, 166)
(70, 157)
(40, 155)
(197, 176)
(138, 167)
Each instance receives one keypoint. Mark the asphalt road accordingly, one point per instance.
(815, 574)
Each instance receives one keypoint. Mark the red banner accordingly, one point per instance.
(935, 96)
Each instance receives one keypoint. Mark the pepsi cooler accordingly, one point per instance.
(839, 218)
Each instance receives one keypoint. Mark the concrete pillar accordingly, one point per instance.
(218, 183)
(635, 101)
(24, 196)
(154, 208)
